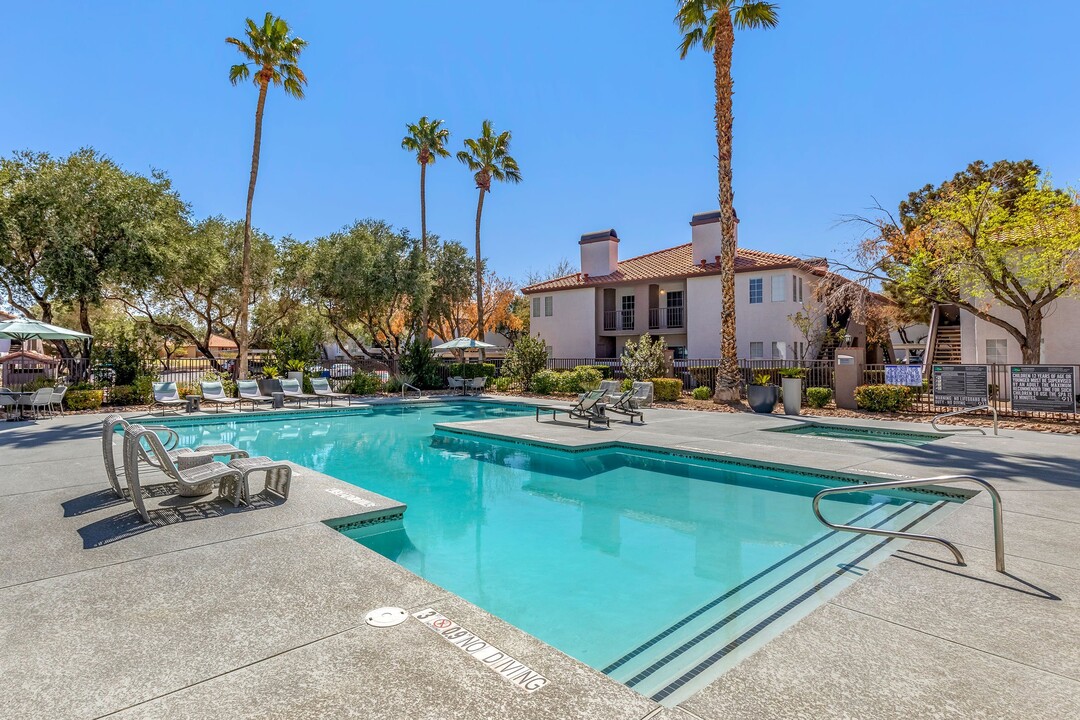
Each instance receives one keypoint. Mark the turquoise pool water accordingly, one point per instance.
(649, 567)
(866, 434)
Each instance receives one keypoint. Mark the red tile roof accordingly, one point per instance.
(28, 355)
(673, 263)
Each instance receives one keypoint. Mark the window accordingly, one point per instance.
(997, 352)
(548, 307)
(757, 290)
(757, 350)
(779, 350)
(675, 309)
(678, 352)
(778, 292)
(536, 307)
(796, 288)
(800, 350)
(627, 320)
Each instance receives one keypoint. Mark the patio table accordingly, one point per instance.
(17, 409)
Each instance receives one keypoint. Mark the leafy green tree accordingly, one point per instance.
(274, 53)
(426, 138)
(525, 359)
(451, 289)
(420, 366)
(711, 24)
(998, 241)
(644, 359)
(72, 227)
(488, 158)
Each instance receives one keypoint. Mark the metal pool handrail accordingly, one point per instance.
(991, 408)
(411, 387)
(999, 532)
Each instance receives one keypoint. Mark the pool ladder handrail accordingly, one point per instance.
(990, 407)
(404, 385)
(999, 532)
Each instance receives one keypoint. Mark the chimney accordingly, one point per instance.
(599, 253)
(705, 236)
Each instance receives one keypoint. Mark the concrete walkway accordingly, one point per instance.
(259, 611)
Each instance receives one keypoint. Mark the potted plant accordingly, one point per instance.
(269, 383)
(761, 393)
(791, 381)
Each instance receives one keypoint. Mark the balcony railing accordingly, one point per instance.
(615, 320)
(665, 318)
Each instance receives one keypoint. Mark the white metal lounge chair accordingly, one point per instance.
(643, 394)
(588, 408)
(321, 386)
(166, 396)
(214, 393)
(456, 383)
(57, 399)
(37, 402)
(248, 391)
(195, 474)
(277, 479)
(108, 436)
(291, 388)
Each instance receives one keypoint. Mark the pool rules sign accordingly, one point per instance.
(961, 385)
(1043, 388)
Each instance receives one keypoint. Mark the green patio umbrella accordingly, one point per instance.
(23, 329)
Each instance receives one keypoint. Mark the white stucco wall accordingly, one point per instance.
(5, 347)
(1061, 333)
(570, 331)
(703, 317)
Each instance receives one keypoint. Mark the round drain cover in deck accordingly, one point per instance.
(386, 617)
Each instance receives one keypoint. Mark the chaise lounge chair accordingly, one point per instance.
(248, 391)
(321, 386)
(292, 391)
(623, 404)
(589, 408)
(277, 479)
(194, 474)
(166, 396)
(108, 434)
(214, 393)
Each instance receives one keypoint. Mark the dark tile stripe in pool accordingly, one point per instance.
(713, 603)
(777, 614)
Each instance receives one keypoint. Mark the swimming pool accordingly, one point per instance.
(660, 570)
(910, 438)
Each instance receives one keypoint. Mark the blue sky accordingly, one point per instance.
(845, 100)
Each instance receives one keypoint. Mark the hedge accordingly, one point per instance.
(544, 382)
(84, 399)
(818, 397)
(666, 389)
(473, 370)
(884, 398)
(702, 392)
(579, 380)
(605, 371)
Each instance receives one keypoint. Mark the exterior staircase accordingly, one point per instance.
(946, 350)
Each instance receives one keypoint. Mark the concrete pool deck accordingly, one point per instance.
(259, 612)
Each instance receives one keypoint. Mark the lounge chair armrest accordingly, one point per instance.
(171, 438)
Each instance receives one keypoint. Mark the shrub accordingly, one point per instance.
(818, 397)
(84, 399)
(502, 384)
(627, 384)
(363, 383)
(525, 359)
(792, 372)
(702, 392)
(37, 384)
(883, 398)
(544, 382)
(473, 370)
(123, 395)
(666, 389)
(644, 359)
(606, 373)
(421, 365)
(578, 380)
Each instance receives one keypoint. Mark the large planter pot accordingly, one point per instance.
(762, 398)
(792, 395)
(269, 385)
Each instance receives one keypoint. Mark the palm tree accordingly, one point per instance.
(488, 157)
(427, 139)
(274, 53)
(711, 24)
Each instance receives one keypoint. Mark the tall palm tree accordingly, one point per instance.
(711, 24)
(488, 157)
(426, 138)
(273, 53)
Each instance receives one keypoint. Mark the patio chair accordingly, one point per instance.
(58, 398)
(214, 393)
(321, 387)
(248, 391)
(456, 383)
(8, 404)
(589, 408)
(166, 396)
(278, 477)
(623, 405)
(476, 385)
(36, 402)
(611, 388)
(291, 388)
(194, 474)
(643, 394)
(108, 435)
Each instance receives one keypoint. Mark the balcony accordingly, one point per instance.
(616, 320)
(666, 318)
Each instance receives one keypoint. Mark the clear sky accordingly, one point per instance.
(845, 100)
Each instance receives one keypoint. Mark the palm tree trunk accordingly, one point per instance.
(424, 250)
(245, 263)
(479, 277)
(728, 378)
